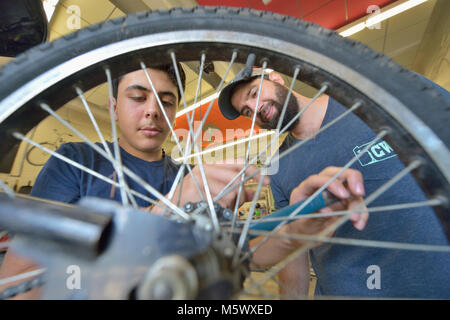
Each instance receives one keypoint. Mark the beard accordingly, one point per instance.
(292, 109)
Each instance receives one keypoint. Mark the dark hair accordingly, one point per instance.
(167, 68)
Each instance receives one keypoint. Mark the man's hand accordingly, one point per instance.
(349, 187)
(217, 176)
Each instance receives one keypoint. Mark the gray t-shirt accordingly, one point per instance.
(344, 270)
(63, 182)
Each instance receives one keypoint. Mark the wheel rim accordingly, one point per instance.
(434, 148)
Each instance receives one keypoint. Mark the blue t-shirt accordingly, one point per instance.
(344, 270)
(63, 182)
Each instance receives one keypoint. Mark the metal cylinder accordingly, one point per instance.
(79, 228)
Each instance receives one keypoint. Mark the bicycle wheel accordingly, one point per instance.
(388, 96)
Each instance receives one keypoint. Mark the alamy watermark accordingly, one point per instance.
(374, 10)
(374, 280)
(74, 20)
(73, 281)
(230, 146)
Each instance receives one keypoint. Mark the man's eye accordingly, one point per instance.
(138, 99)
(168, 103)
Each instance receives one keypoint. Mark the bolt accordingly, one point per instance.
(217, 207)
(227, 214)
(202, 204)
(189, 207)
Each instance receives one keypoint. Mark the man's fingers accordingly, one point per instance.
(219, 176)
(359, 219)
(314, 182)
(353, 178)
(348, 187)
(252, 170)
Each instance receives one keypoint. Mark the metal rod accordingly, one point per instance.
(65, 225)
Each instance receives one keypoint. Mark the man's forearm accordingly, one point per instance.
(294, 279)
(272, 251)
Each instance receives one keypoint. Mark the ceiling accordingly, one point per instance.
(401, 37)
(331, 14)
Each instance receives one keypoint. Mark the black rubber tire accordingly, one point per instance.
(375, 66)
(425, 102)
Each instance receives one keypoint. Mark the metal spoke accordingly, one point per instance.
(230, 64)
(163, 111)
(124, 190)
(227, 145)
(245, 230)
(127, 171)
(219, 88)
(321, 189)
(117, 166)
(288, 151)
(402, 206)
(101, 137)
(247, 155)
(188, 147)
(322, 129)
(318, 94)
(199, 130)
(82, 167)
(212, 210)
(180, 192)
(285, 153)
(279, 266)
(94, 122)
(280, 121)
(9, 192)
(322, 90)
(22, 276)
(358, 242)
(288, 97)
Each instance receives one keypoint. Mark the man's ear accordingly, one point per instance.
(112, 103)
(276, 77)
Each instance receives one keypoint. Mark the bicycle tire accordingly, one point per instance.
(381, 70)
(370, 76)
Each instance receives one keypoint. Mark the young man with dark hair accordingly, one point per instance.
(344, 270)
(143, 129)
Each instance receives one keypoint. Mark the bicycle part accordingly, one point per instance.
(344, 69)
(323, 200)
(85, 232)
(132, 259)
(22, 287)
